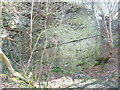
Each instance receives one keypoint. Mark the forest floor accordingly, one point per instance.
(107, 72)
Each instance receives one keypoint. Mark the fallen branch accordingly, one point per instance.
(4, 58)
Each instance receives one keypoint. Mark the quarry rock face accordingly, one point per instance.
(75, 43)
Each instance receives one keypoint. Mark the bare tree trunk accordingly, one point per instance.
(0, 33)
(31, 26)
(106, 28)
(110, 32)
(30, 34)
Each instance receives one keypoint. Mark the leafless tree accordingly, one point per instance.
(106, 12)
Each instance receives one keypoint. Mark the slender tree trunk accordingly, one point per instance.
(109, 35)
(110, 31)
(0, 32)
(106, 28)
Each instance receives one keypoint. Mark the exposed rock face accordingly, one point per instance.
(75, 42)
